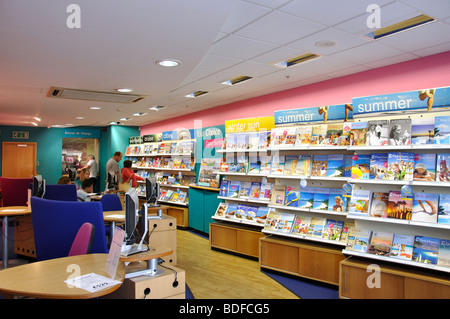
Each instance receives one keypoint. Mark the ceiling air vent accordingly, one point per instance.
(65, 93)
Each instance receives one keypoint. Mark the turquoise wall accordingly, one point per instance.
(49, 146)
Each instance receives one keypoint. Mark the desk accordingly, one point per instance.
(6, 212)
(45, 279)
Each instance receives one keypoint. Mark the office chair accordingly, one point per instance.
(82, 244)
(64, 192)
(56, 223)
(111, 202)
(15, 190)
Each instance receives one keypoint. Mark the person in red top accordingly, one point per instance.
(128, 174)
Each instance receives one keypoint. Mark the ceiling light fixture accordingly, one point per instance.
(168, 63)
(124, 118)
(157, 107)
(401, 26)
(195, 94)
(297, 60)
(95, 108)
(113, 123)
(37, 118)
(80, 118)
(237, 80)
(139, 114)
(35, 124)
(124, 90)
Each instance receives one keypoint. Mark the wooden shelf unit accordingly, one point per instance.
(305, 259)
(241, 239)
(394, 282)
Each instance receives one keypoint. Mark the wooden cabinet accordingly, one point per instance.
(388, 281)
(236, 238)
(305, 259)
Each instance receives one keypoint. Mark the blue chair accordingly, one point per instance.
(64, 192)
(111, 202)
(56, 223)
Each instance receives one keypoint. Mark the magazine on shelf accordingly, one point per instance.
(231, 210)
(301, 225)
(422, 130)
(242, 164)
(304, 133)
(255, 190)
(234, 189)
(400, 132)
(254, 167)
(262, 214)
(265, 164)
(336, 201)
(444, 253)
(334, 132)
(277, 165)
(319, 165)
(361, 166)
(290, 164)
(316, 227)
(348, 161)
(278, 137)
(358, 239)
(402, 246)
(319, 133)
(182, 197)
(345, 230)
(264, 139)
(360, 202)
(379, 205)
(303, 167)
(280, 222)
(444, 209)
(292, 195)
(442, 130)
(245, 189)
(241, 141)
(321, 197)
(250, 213)
(399, 207)
(278, 194)
(426, 249)
(333, 229)
(230, 141)
(253, 140)
(335, 165)
(358, 133)
(240, 211)
(425, 207)
(442, 167)
(221, 210)
(380, 243)
(378, 165)
(377, 132)
(266, 191)
(344, 139)
(396, 170)
(306, 197)
(424, 167)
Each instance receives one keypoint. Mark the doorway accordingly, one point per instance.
(19, 159)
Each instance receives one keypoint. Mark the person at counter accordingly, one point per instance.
(128, 174)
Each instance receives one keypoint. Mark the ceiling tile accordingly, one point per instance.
(367, 53)
(269, 3)
(288, 28)
(241, 14)
(438, 9)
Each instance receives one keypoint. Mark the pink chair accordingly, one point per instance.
(15, 190)
(83, 240)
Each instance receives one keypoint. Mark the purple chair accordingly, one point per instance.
(82, 243)
(15, 190)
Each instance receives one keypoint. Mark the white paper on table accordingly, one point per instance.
(92, 282)
(13, 210)
(117, 216)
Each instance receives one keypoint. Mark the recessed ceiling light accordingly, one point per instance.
(157, 107)
(124, 90)
(35, 124)
(297, 60)
(196, 94)
(112, 123)
(37, 118)
(236, 80)
(124, 118)
(95, 107)
(168, 63)
(325, 44)
(80, 118)
(401, 26)
(139, 114)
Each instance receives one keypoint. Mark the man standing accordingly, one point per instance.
(113, 165)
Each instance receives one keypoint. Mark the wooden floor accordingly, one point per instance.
(212, 274)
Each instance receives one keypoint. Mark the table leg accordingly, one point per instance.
(5, 242)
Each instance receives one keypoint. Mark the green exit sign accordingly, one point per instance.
(20, 135)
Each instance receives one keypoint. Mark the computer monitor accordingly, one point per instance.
(151, 191)
(111, 181)
(131, 220)
(72, 174)
(38, 186)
